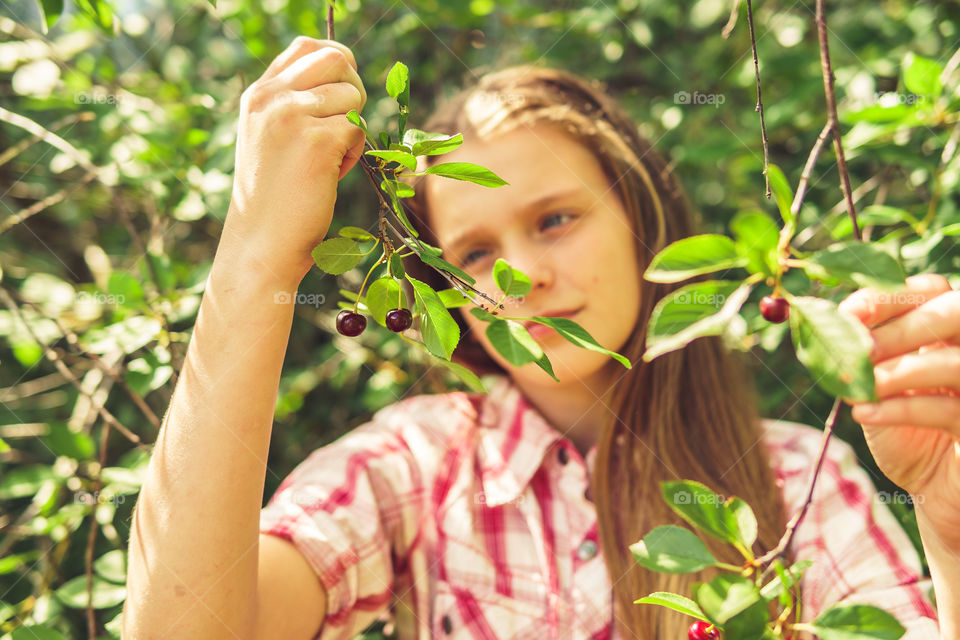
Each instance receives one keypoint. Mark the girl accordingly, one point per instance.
(509, 514)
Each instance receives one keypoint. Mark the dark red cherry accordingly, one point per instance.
(774, 309)
(351, 324)
(701, 630)
(399, 320)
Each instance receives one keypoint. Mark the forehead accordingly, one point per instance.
(536, 161)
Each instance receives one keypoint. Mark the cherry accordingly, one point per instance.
(774, 309)
(399, 320)
(701, 630)
(351, 324)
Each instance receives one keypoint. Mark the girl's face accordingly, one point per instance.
(560, 222)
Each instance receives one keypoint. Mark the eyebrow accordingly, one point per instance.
(533, 204)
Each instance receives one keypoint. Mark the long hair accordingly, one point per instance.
(689, 414)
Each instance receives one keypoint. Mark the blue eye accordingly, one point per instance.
(468, 258)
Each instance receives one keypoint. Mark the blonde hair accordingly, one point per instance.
(690, 414)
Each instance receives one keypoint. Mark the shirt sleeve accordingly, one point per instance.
(861, 553)
(352, 508)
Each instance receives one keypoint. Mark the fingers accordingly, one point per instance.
(932, 411)
(929, 369)
(938, 320)
(318, 68)
(332, 99)
(874, 307)
(301, 46)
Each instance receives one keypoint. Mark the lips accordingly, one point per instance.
(553, 314)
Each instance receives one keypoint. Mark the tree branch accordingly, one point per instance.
(759, 107)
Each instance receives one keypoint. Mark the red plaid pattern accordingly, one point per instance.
(468, 514)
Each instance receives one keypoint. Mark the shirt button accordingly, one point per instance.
(562, 455)
(447, 624)
(587, 550)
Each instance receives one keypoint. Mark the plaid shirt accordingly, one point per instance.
(469, 515)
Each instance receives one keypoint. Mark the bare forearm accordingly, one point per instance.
(194, 541)
(944, 563)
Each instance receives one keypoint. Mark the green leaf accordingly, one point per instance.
(466, 375)
(13, 562)
(922, 75)
(467, 171)
(337, 255)
(98, 11)
(401, 157)
(725, 596)
(516, 344)
(872, 215)
(73, 444)
(125, 287)
(112, 566)
(438, 145)
(354, 118)
(672, 549)
(439, 330)
(382, 295)
(757, 236)
(435, 261)
(453, 298)
(834, 346)
(700, 506)
(511, 281)
(859, 263)
(855, 622)
(4, 447)
(693, 256)
(773, 588)
(674, 601)
(694, 311)
(356, 233)
(514, 341)
(35, 632)
(23, 481)
(398, 83)
(576, 334)
(878, 113)
(105, 594)
(396, 266)
(128, 335)
(782, 193)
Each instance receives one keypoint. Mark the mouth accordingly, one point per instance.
(553, 314)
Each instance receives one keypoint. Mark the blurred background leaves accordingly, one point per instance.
(117, 130)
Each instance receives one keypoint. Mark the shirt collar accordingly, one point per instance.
(513, 440)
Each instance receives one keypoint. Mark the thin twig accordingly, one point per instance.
(808, 169)
(46, 203)
(92, 534)
(832, 119)
(24, 144)
(759, 106)
(65, 370)
(74, 342)
(330, 20)
(785, 540)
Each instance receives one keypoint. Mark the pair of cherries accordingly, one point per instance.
(352, 324)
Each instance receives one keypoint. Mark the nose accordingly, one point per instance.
(536, 264)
